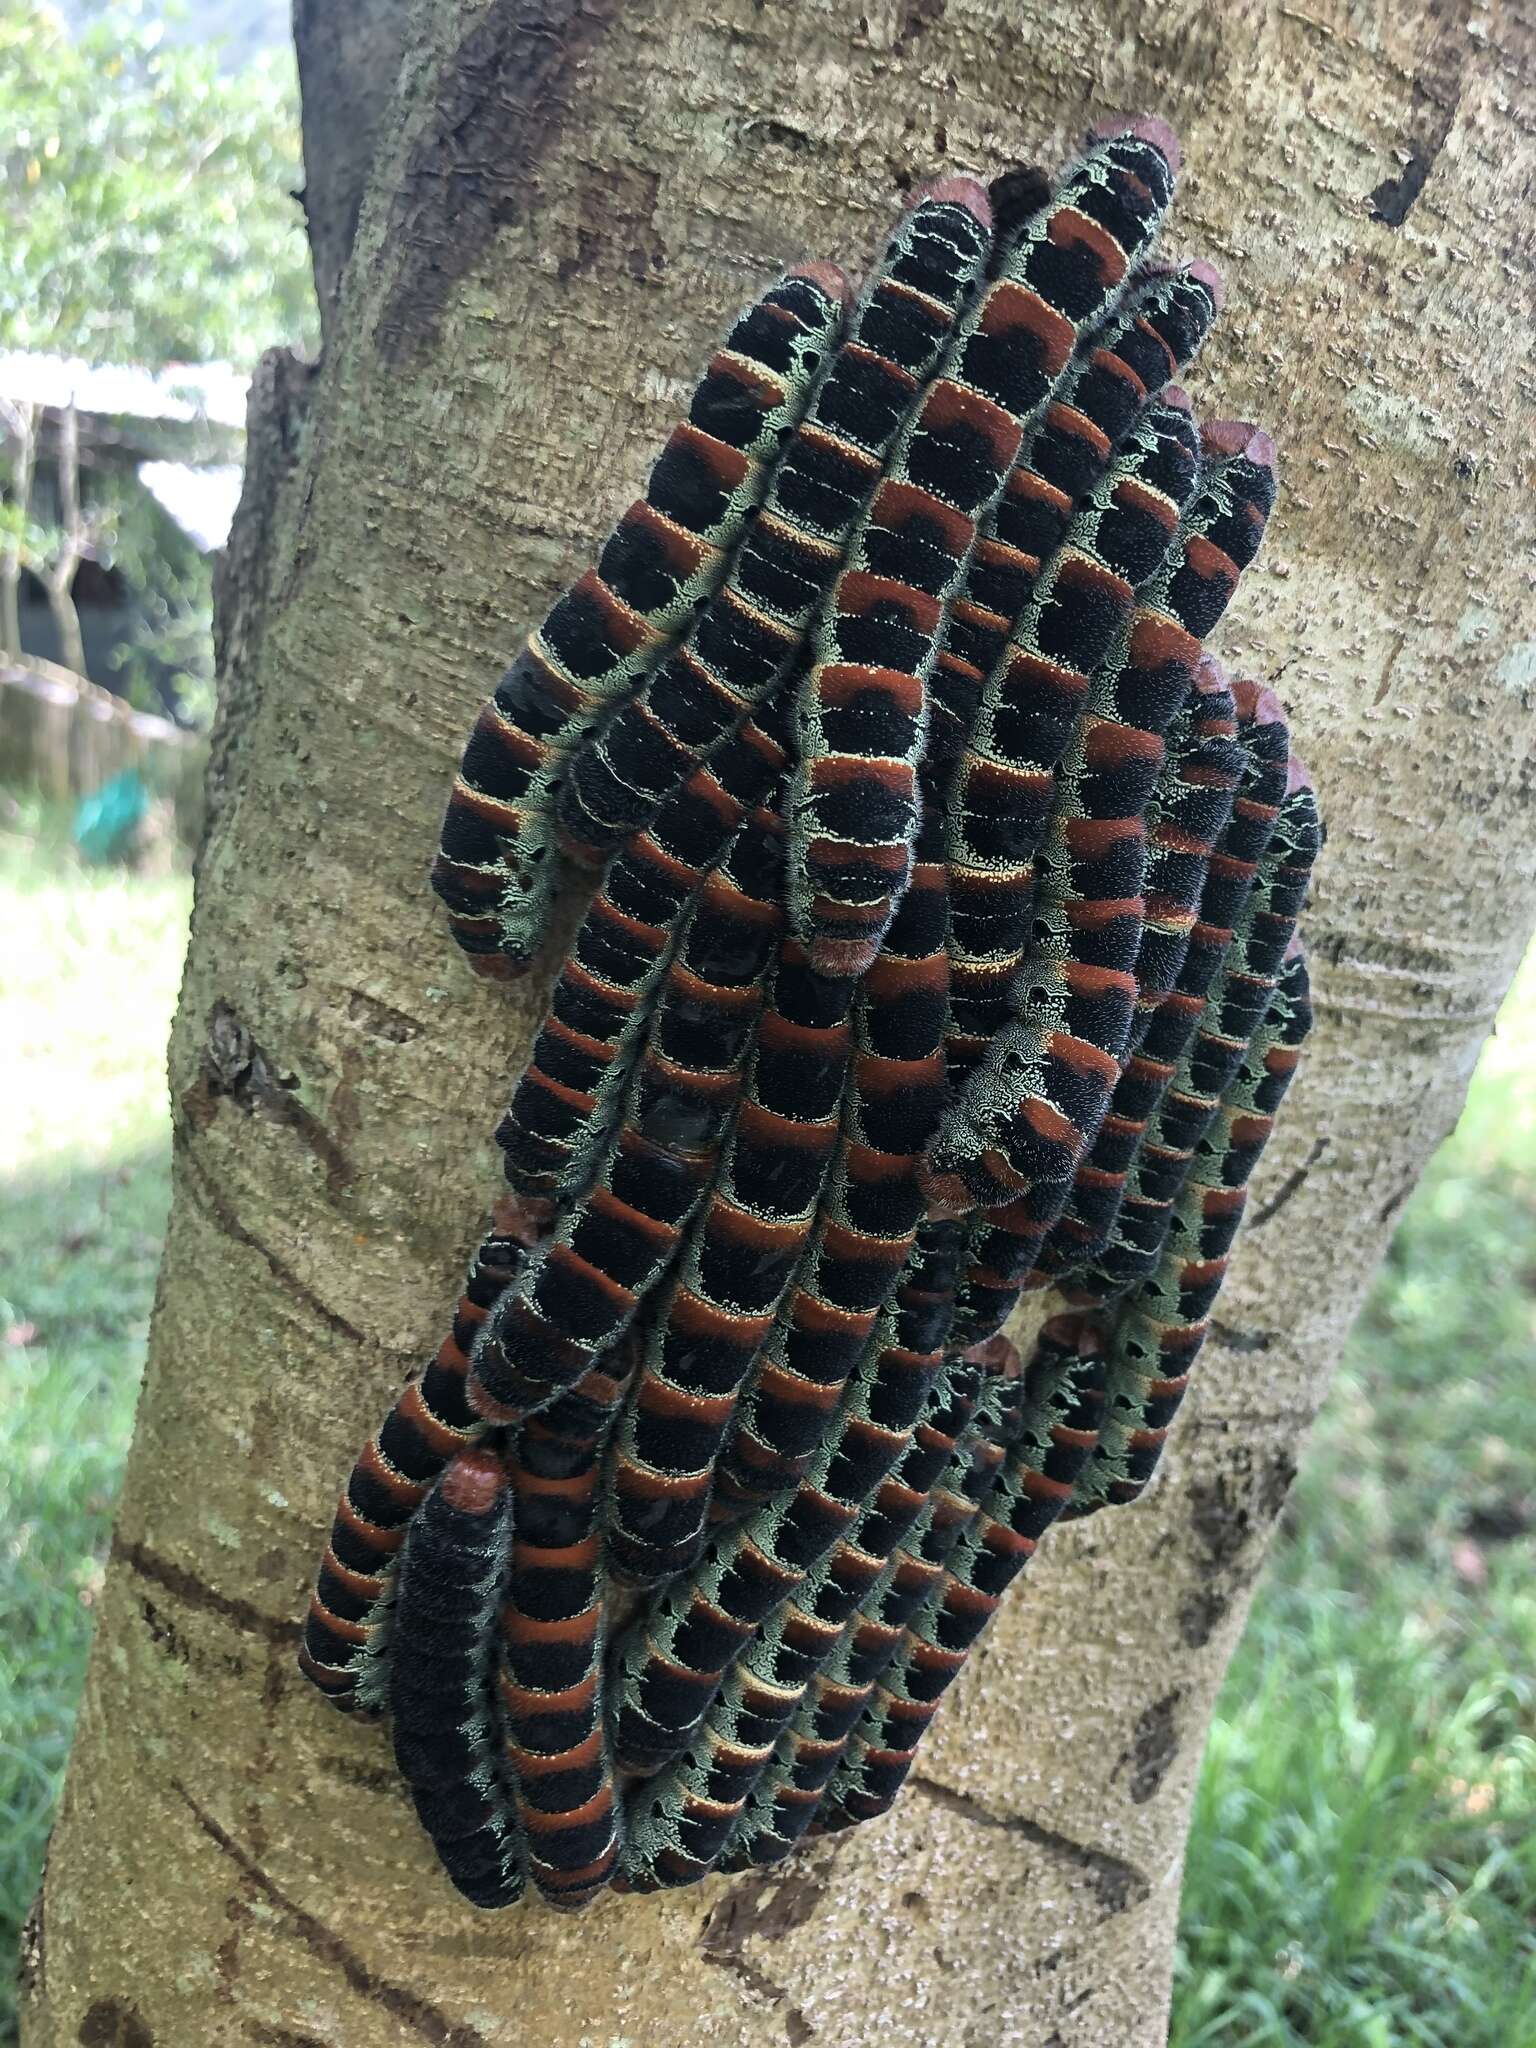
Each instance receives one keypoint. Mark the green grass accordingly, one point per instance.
(1362, 1870)
(91, 965)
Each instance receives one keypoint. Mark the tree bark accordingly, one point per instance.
(18, 423)
(63, 565)
(569, 200)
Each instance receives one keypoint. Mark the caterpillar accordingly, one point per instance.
(698, 1807)
(551, 1664)
(1154, 334)
(871, 1206)
(667, 555)
(895, 1094)
(1003, 792)
(691, 1809)
(1046, 1454)
(1036, 1099)
(564, 1106)
(854, 802)
(915, 1573)
(743, 642)
(783, 1802)
(447, 1744)
(1158, 1334)
(347, 1629)
(1190, 810)
(1192, 1047)
(1125, 1180)
(732, 1273)
(575, 1298)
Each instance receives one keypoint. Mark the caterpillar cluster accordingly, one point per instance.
(944, 951)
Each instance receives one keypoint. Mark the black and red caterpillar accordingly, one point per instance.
(944, 950)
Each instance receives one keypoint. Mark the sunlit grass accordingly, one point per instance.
(89, 979)
(1362, 1868)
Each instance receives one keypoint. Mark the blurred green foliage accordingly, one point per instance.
(92, 962)
(147, 204)
(1362, 1866)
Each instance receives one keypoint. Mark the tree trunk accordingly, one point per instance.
(569, 200)
(63, 565)
(18, 423)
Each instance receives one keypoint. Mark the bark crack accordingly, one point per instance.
(413, 2012)
(207, 1197)
(194, 1592)
(1120, 1884)
(1288, 1187)
(764, 1907)
(502, 106)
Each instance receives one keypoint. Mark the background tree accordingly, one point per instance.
(146, 208)
(145, 202)
(566, 203)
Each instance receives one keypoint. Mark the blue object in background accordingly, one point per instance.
(107, 820)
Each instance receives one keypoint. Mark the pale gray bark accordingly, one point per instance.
(18, 425)
(568, 201)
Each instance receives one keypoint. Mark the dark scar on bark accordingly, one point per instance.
(474, 170)
(236, 1069)
(194, 1592)
(1119, 1884)
(114, 2023)
(327, 1946)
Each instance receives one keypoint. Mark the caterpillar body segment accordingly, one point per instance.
(783, 1802)
(739, 1258)
(742, 644)
(674, 1664)
(1161, 1326)
(667, 554)
(1124, 363)
(564, 1107)
(1030, 1107)
(693, 1806)
(1006, 786)
(550, 1679)
(1194, 1043)
(1190, 810)
(863, 718)
(441, 1677)
(344, 1649)
(575, 1299)
(1044, 1459)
